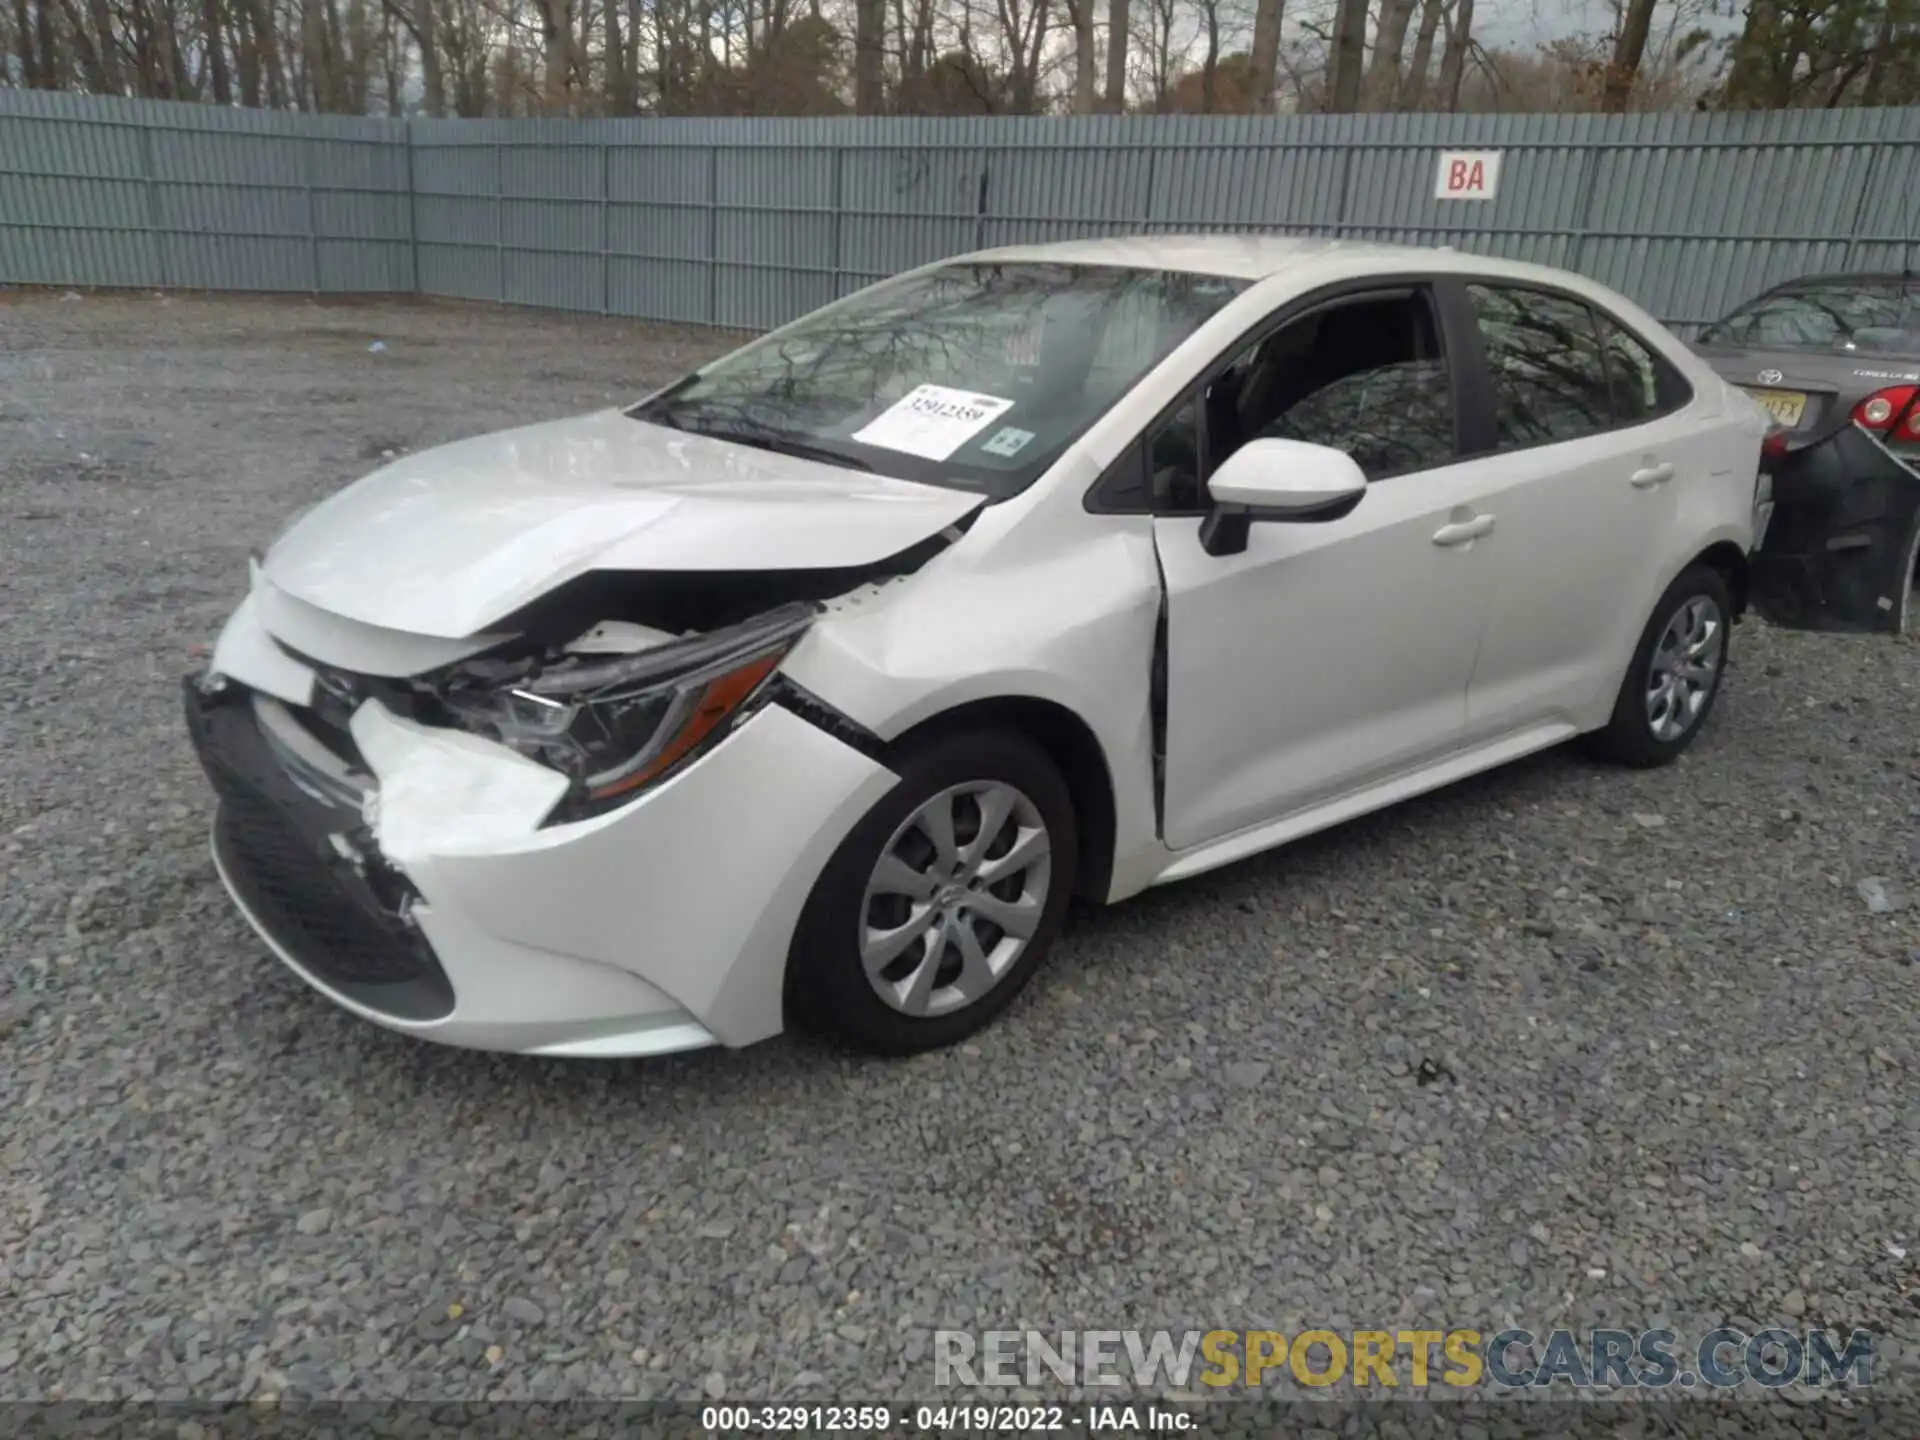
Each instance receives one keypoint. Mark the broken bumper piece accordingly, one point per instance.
(425, 894)
(292, 849)
(1839, 551)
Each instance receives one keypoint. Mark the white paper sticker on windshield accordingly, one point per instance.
(1007, 442)
(932, 421)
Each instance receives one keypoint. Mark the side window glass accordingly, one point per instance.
(1173, 461)
(1548, 372)
(1644, 386)
(1392, 420)
(1367, 377)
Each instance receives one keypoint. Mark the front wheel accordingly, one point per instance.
(943, 900)
(1675, 676)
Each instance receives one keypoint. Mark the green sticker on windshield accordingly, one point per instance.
(1007, 442)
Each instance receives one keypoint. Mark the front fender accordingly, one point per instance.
(1073, 627)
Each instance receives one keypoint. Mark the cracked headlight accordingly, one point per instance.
(616, 725)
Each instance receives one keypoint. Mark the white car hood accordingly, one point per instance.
(452, 540)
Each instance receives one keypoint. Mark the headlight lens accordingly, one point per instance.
(616, 725)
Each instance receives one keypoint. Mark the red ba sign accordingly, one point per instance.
(1467, 175)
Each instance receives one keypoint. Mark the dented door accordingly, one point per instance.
(1839, 550)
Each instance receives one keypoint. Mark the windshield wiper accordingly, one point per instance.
(782, 444)
(661, 410)
(658, 407)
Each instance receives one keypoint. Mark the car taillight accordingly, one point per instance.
(1881, 409)
(1774, 445)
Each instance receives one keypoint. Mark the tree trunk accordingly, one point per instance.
(213, 23)
(50, 66)
(619, 83)
(266, 50)
(1750, 80)
(1347, 55)
(1085, 73)
(1026, 38)
(109, 47)
(1117, 56)
(1453, 62)
(246, 58)
(359, 57)
(24, 46)
(1265, 57)
(1628, 49)
(1877, 61)
(869, 51)
(433, 80)
(1414, 91)
(1383, 73)
(179, 83)
(84, 50)
(1210, 67)
(556, 33)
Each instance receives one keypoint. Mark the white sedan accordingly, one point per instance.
(813, 686)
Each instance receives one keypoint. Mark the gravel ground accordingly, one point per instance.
(1561, 1045)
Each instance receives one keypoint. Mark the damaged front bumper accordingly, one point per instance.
(424, 892)
(1838, 551)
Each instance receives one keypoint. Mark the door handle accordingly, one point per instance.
(1652, 475)
(1462, 532)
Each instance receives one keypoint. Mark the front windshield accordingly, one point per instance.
(973, 375)
(1878, 316)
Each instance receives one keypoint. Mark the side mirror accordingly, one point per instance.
(1276, 479)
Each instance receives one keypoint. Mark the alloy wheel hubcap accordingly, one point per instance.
(955, 897)
(1684, 669)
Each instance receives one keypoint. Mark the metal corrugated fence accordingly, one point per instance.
(150, 193)
(748, 222)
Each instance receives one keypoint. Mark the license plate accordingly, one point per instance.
(1786, 406)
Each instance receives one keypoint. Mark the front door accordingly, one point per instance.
(1328, 654)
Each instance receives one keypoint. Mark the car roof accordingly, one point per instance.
(1242, 256)
(1257, 257)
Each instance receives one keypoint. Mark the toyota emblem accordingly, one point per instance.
(1771, 377)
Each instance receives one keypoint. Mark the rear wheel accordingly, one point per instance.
(1675, 676)
(942, 902)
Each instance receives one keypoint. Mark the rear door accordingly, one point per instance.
(1598, 443)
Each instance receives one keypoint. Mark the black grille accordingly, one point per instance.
(337, 918)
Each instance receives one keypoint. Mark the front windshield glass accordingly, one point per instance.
(973, 375)
(1880, 316)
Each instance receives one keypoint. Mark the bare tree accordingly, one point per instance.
(1346, 56)
(1636, 21)
(869, 56)
(1085, 62)
(1383, 73)
(1454, 59)
(1413, 90)
(1116, 96)
(1265, 57)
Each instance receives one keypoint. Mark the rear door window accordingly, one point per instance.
(1643, 384)
(1548, 371)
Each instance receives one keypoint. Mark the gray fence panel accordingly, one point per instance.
(748, 222)
(122, 192)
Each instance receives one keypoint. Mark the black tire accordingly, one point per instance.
(1629, 737)
(827, 986)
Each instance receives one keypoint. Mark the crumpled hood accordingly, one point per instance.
(452, 540)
